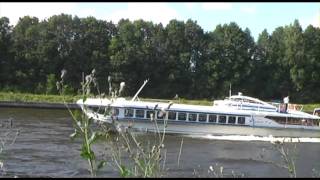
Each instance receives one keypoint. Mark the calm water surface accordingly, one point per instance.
(43, 148)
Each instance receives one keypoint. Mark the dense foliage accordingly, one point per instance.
(180, 58)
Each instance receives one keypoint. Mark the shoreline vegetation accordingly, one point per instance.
(37, 100)
(179, 57)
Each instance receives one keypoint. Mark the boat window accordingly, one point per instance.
(172, 115)
(94, 108)
(149, 114)
(309, 122)
(294, 121)
(115, 111)
(100, 110)
(236, 99)
(161, 115)
(182, 116)
(280, 120)
(139, 113)
(128, 112)
(192, 117)
(202, 117)
(90, 107)
(212, 118)
(241, 120)
(231, 120)
(222, 119)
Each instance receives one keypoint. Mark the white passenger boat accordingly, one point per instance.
(235, 115)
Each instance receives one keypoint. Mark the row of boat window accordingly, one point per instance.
(294, 121)
(184, 116)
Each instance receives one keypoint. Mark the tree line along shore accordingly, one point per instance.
(178, 58)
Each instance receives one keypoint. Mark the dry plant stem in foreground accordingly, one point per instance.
(82, 123)
(145, 159)
(288, 153)
(8, 135)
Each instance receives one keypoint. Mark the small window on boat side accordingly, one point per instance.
(99, 109)
(182, 116)
(212, 118)
(231, 120)
(94, 108)
(139, 113)
(192, 117)
(128, 112)
(149, 114)
(202, 117)
(222, 119)
(172, 115)
(241, 120)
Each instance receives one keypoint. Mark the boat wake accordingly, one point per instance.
(256, 138)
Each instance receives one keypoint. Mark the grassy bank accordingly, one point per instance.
(27, 97)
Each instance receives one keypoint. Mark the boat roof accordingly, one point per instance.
(248, 98)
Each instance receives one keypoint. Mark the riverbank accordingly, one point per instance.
(10, 99)
(38, 105)
(26, 100)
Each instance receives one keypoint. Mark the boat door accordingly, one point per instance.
(316, 112)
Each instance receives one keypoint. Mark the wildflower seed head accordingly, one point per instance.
(94, 80)
(122, 84)
(79, 124)
(63, 73)
(58, 85)
(211, 168)
(88, 79)
(93, 72)
(221, 169)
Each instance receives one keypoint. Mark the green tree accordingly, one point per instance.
(27, 63)
(311, 66)
(230, 59)
(294, 54)
(263, 67)
(131, 53)
(5, 54)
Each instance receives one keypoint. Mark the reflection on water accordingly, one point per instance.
(44, 149)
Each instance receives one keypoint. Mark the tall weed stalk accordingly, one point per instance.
(143, 159)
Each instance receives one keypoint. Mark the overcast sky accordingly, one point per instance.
(255, 16)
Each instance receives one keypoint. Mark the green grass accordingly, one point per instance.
(310, 107)
(27, 97)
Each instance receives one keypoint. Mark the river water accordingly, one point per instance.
(43, 148)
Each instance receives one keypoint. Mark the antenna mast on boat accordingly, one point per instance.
(136, 95)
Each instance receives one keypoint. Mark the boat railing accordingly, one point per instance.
(281, 107)
(297, 107)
